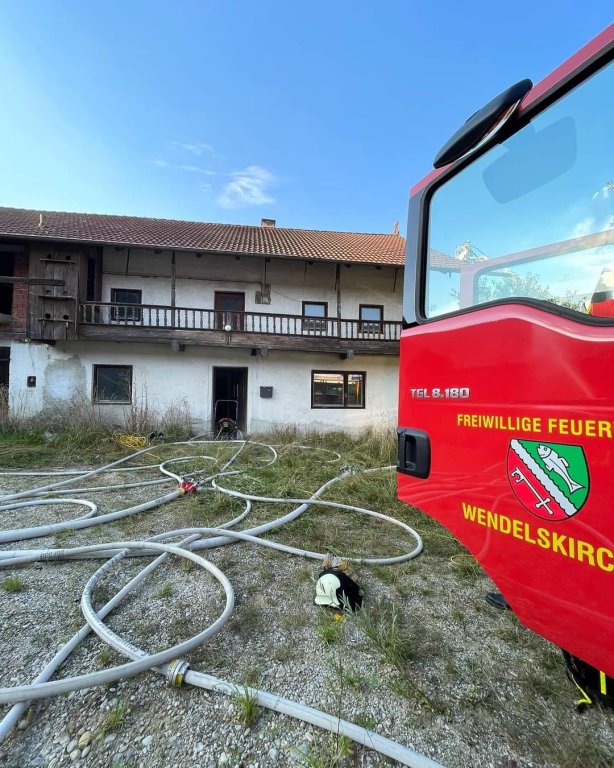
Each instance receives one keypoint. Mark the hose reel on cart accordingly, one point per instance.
(225, 419)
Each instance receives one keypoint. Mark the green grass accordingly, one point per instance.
(330, 751)
(329, 629)
(252, 677)
(284, 653)
(165, 591)
(210, 660)
(27, 446)
(61, 538)
(113, 719)
(181, 627)
(355, 679)
(247, 620)
(105, 657)
(382, 625)
(13, 584)
(246, 707)
(365, 721)
(450, 668)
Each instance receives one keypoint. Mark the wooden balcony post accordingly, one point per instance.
(338, 289)
(173, 282)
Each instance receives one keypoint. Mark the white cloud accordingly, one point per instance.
(248, 187)
(197, 169)
(584, 227)
(195, 148)
(189, 168)
(604, 192)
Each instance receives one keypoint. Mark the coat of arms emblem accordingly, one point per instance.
(550, 479)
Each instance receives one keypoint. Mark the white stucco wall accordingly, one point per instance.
(292, 282)
(64, 372)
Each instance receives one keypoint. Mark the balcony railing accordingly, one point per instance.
(191, 319)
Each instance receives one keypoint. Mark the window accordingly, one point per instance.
(337, 389)
(371, 316)
(126, 296)
(318, 310)
(112, 383)
(531, 219)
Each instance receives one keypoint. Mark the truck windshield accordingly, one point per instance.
(534, 216)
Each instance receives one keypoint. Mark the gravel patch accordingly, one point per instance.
(479, 690)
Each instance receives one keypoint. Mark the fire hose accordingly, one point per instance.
(169, 662)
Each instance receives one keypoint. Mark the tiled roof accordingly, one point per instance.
(440, 261)
(205, 237)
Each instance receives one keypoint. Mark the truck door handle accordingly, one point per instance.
(413, 452)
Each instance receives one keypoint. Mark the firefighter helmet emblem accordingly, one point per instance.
(550, 479)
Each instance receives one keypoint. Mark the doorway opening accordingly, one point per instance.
(230, 396)
(7, 269)
(229, 309)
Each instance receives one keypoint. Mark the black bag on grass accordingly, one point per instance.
(335, 589)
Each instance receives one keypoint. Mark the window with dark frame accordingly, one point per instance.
(371, 318)
(112, 384)
(126, 296)
(338, 389)
(314, 314)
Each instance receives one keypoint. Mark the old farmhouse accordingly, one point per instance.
(274, 326)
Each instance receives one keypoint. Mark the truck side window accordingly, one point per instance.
(534, 216)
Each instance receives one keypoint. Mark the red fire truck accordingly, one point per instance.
(506, 390)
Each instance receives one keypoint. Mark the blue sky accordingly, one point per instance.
(320, 115)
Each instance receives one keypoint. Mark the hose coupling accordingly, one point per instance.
(176, 672)
(187, 486)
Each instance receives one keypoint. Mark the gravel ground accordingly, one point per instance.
(479, 690)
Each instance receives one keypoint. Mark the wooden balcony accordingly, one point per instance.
(261, 330)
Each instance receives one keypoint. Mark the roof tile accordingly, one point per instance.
(202, 236)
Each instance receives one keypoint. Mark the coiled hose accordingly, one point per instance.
(168, 662)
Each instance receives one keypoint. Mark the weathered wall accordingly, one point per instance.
(65, 371)
(292, 282)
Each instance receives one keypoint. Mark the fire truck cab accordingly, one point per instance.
(506, 388)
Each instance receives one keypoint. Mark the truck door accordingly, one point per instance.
(506, 391)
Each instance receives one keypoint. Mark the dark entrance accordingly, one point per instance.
(7, 267)
(230, 395)
(229, 309)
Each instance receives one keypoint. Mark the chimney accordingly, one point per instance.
(396, 228)
(267, 222)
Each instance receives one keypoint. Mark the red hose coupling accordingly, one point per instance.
(187, 486)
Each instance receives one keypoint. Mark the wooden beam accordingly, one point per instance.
(238, 340)
(31, 280)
